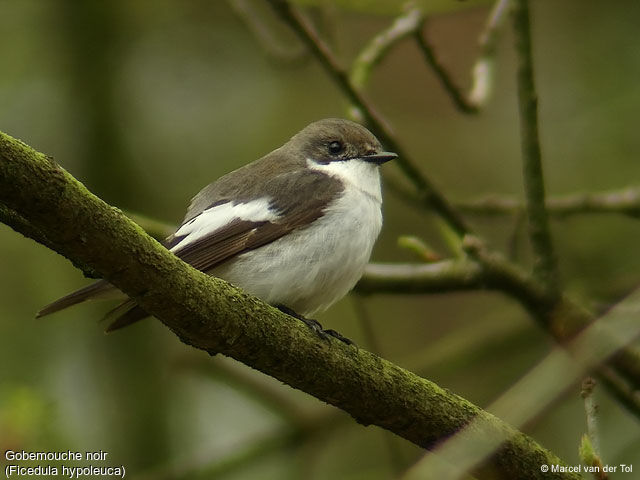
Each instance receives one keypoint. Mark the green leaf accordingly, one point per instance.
(586, 452)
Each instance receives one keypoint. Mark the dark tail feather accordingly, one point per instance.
(90, 291)
(125, 314)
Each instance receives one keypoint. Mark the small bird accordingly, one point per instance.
(294, 228)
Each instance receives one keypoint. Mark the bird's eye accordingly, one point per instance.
(335, 147)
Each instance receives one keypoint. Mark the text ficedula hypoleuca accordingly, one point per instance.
(294, 228)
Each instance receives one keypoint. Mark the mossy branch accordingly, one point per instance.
(212, 315)
(493, 272)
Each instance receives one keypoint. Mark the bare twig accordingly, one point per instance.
(591, 411)
(625, 202)
(483, 69)
(379, 46)
(545, 264)
(437, 277)
(487, 270)
(455, 92)
(589, 446)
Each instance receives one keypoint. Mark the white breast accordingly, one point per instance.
(311, 268)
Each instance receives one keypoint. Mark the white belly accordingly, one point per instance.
(311, 268)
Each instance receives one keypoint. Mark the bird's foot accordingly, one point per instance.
(315, 326)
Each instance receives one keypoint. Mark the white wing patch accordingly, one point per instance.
(214, 218)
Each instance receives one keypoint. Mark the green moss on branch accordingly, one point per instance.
(212, 315)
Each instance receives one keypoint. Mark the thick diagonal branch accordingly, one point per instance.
(212, 315)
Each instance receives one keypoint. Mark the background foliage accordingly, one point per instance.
(148, 103)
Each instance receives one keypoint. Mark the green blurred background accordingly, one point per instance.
(146, 102)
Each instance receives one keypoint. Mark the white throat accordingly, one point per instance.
(364, 176)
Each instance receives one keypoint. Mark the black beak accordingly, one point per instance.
(380, 158)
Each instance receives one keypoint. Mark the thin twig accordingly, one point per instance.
(420, 278)
(483, 69)
(425, 190)
(545, 264)
(455, 92)
(625, 202)
(591, 411)
(403, 26)
(589, 447)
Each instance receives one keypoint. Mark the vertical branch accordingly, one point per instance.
(545, 267)
(483, 69)
(591, 412)
(589, 449)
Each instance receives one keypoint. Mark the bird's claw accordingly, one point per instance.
(316, 326)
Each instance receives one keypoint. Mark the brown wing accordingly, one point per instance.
(303, 196)
(240, 236)
(299, 197)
